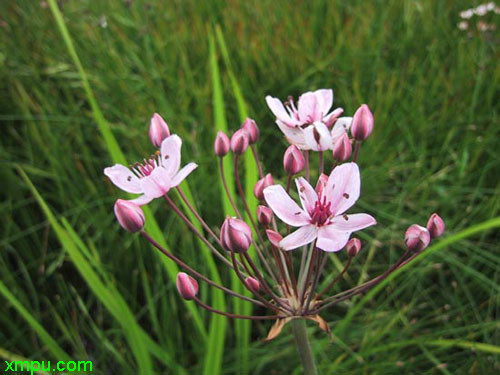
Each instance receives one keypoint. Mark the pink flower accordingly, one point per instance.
(309, 125)
(156, 176)
(322, 216)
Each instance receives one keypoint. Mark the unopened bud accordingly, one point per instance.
(252, 284)
(221, 144)
(342, 149)
(239, 141)
(435, 226)
(187, 286)
(129, 215)
(264, 182)
(293, 161)
(362, 123)
(274, 237)
(235, 235)
(252, 129)
(264, 215)
(158, 130)
(417, 238)
(353, 247)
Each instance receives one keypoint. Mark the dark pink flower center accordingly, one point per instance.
(146, 168)
(321, 211)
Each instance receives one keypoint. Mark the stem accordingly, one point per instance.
(303, 346)
(356, 151)
(306, 156)
(257, 161)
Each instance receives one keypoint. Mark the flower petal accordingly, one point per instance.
(142, 200)
(300, 237)
(157, 183)
(284, 207)
(170, 152)
(317, 137)
(308, 108)
(307, 194)
(279, 111)
(330, 239)
(342, 125)
(183, 173)
(295, 136)
(352, 223)
(324, 98)
(329, 119)
(123, 178)
(343, 187)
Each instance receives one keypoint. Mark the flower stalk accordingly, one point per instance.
(303, 346)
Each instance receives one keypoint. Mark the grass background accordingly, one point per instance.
(79, 83)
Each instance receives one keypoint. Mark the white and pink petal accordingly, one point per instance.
(170, 153)
(352, 223)
(302, 236)
(343, 187)
(307, 194)
(285, 207)
(330, 239)
(123, 178)
(182, 174)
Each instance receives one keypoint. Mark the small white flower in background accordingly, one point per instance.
(103, 22)
(464, 25)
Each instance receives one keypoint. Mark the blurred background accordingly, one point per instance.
(80, 80)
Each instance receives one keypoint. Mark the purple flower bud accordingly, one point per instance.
(362, 123)
(221, 144)
(417, 238)
(264, 182)
(158, 130)
(264, 215)
(274, 237)
(129, 215)
(235, 235)
(187, 286)
(239, 141)
(435, 226)
(353, 247)
(342, 149)
(252, 129)
(293, 161)
(252, 284)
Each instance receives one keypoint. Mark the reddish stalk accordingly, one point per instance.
(257, 161)
(306, 157)
(195, 231)
(226, 188)
(195, 273)
(336, 280)
(356, 151)
(234, 316)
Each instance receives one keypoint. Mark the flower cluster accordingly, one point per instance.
(478, 16)
(258, 246)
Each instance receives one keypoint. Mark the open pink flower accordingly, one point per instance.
(309, 125)
(156, 176)
(322, 216)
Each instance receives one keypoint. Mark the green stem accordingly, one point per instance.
(303, 347)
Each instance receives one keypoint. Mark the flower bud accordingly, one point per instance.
(221, 144)
(264, 182)
(252, 130)
(293, 161)
(417, 238)
(239, 141)
(129, 215)
(235, 235)
(274, 237)
(264, 215)
(362, 123)
(435, 226)
(158, 130)
(252, 284)
(187, 286)
(353, 247)
(342, 149)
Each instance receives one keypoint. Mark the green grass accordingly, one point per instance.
(74, 285)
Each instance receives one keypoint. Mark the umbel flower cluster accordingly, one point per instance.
(261, 247)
